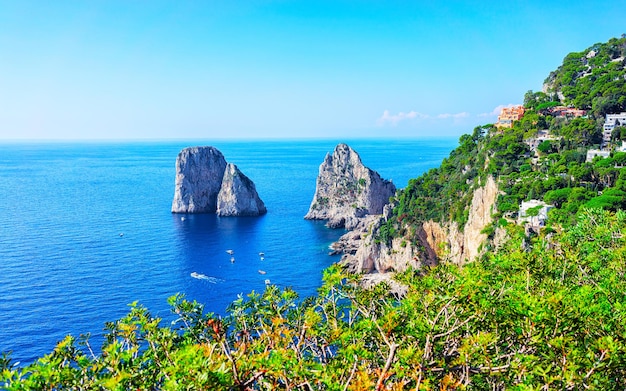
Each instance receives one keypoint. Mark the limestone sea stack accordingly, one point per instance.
(199, 174)
(206, 183)
(238, 196)
(346, 190)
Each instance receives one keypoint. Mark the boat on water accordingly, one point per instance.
(232, 259)
(267, 281)
(261, 271)
(261, 254)
(231, 252)
(200, 276)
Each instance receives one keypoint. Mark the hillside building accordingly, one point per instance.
(508, 115)
(540, 215)
(542, 135)
(567, 112)
(614, 120)
(596, 152)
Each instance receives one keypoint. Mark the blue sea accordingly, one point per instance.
(87, 229)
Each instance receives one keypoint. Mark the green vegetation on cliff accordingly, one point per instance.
(540, 311)
(594, 79)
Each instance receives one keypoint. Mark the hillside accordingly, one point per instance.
(542, 157)
(540, 307)
(594, 79)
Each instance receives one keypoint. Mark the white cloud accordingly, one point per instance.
(454, 115)
(394, 119)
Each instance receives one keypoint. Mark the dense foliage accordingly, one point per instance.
(539, 311)
(594, 79)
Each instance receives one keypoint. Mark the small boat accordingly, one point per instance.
(183, 218)
(232, 259)
(261, 271)
(262, 258)
(267, 281)
(231, 252)
(261, 254)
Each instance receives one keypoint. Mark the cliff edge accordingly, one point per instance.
(364, 252)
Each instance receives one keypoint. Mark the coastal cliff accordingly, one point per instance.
(206, 183)
(347, 191)
(364, 252)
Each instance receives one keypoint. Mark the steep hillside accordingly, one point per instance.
(540, 160)
(594, 79)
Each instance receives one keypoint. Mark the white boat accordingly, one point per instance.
(261, 271)
(231, 252)
(267, 281)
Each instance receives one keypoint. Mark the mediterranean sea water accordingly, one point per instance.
(86, 229)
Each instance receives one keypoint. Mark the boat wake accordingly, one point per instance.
(200, 276)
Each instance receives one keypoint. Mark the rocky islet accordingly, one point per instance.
(206, 183)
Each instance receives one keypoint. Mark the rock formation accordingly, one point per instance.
(362, 253)
(346, 190)
(460, 247)
(238, 196)
(205, 183)
(199, 173)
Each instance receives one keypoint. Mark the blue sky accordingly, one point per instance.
(272, 69)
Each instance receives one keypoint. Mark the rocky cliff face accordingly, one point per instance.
(433, 242)
(455, 246)
(199, 173)
(238, 196)
(346, 190)
(205, 183)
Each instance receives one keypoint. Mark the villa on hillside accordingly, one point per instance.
(567, 112)
(614, 120)
(534, 213)
(610, 123)
(542, 135)
(596, 152)
(508, 115)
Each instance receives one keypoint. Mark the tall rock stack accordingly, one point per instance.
(238, 196)
(346, 190)
(199, 174)
(206, 183)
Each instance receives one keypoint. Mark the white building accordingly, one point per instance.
(596, 152)
(536, 220)
(613, 120)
